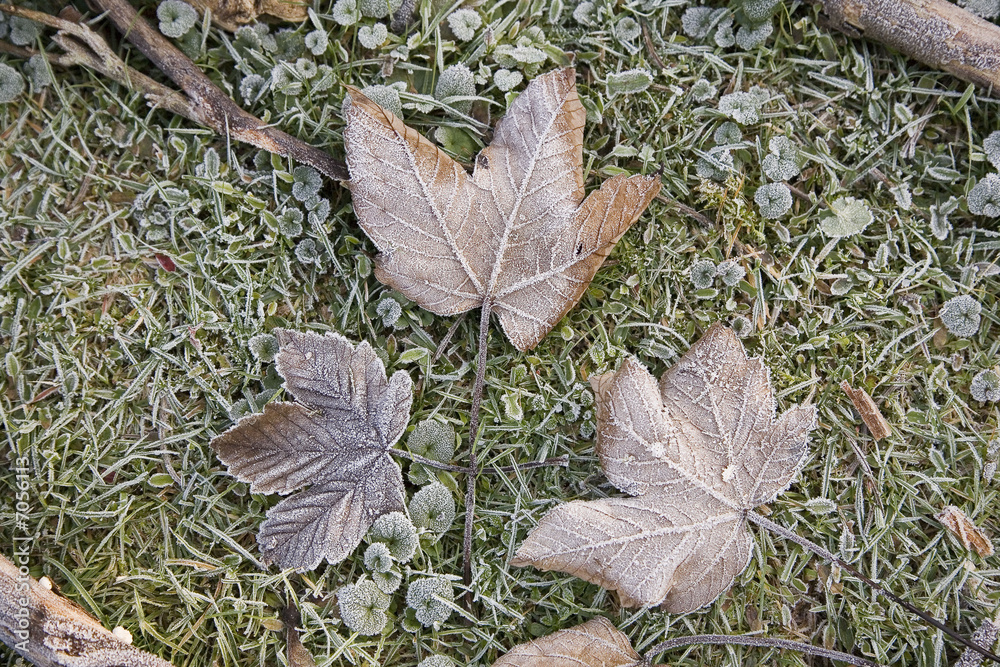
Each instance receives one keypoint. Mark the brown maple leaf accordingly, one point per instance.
(336, 440)
(596, 643)
(698, 453)
(517, 236)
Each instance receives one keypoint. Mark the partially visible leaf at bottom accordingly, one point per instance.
(596, 643)
(336, 440)
(698, 452)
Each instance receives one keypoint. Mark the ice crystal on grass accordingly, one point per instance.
(307, 252)
(506, 79)
(985, 386)
(387, 582)
(464, 23)
(306, 183)
(437, 661)
(961, 315)
(397, 533)
(429, 598)
(455, 82)
(377, 558)
(703, 273)
(389, 310)
(629, 82)
(730, 272)
(781, 163)
(703, 90)
(987, 9)
(717, 164)
(379, 9)
(264, 347)
(728, 133)
(773, 200)
(584, 14)
(433, 440)
(741, 326)
(750, 37)
(37, 71)
(252, 87)
(991, 146)
(317, 41)
(176, 18)
(372, 37)
(386, 97)
(757, 11)
(290, 222)
(346, 12)
(984, 198)
(901, 193)
(23, 32)
(433, 508)
(741, 107)
(362, 607)
(11, 84)
(849, 216)
(697, 22)
(626, 31)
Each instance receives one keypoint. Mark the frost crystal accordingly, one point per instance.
(987, 9)
(263, 347)
(584, 13)
(397, 533)
(290, 222)
(703, 90)
(697, 22)
(901, 193)
(389, 310)
(456, 81)
(306, 183)
(741, 107)
(378, 559)
(386, 97)
(346, 12)
(37, 71)
(306, 251)
(626, 31)
(716, 164)
(730, 272)
(984, 198)
(758, 11)
(252, 86)
(991, 146)
(433, 508)
(940, 226)
(362, 607)
(703, 273)
(378, 9)
(773, 199)
(728, 133)
(850, 216)
(176, 18)
(741, 326)
(432, 439)
(464, 23)
(629, 81)
(387, 582)
(317, 41)
(430, 598)
(985, 386)
(372, 37)
(961, 315)
(437, 661)
(781, 164)
(11, 83)
(23, 31)
(506, 79)
(306, 68)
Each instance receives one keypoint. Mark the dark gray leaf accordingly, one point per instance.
(336, 441)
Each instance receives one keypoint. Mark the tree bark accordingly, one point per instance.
(51, 631)
(934, 32)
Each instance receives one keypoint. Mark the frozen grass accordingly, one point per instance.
(118, 371)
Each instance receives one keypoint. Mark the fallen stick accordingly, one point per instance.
(934, 32)
(51, 631)
(201, 101)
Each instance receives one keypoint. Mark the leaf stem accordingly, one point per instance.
(560, 461)
(757, 640)
(473, 470)
(828, 555)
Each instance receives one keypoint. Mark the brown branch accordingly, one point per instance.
(934, 32)
(202, 101)
(51, 631)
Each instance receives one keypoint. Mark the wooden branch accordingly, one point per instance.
(202, 101)
(934, 32)
(51, 631)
